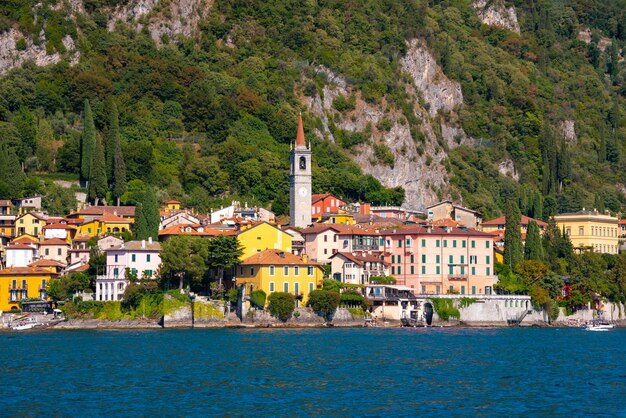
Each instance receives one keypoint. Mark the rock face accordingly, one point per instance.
(12, 57)
(568, 130)
(417, 165)
(507, 169)
(495, 13)
(163, 18)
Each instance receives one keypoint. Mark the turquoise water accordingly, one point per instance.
(302, 372)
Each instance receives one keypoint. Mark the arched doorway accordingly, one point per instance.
(428, 313)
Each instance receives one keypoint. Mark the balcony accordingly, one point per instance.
(458, 276)
(365, 247)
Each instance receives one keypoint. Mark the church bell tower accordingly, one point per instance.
(300, 181)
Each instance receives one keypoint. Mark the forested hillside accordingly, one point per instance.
(208, 94)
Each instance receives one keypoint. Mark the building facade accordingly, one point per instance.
(300, 181)
(279, 271)
(435, 260)
(448, 210)
(142, 260)
(357, 268)
(19, 283)
(262, 237)
(590, 231)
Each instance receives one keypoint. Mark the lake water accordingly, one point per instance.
(302, 372)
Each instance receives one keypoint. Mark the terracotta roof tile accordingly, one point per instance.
(11, 271)
(54, 241)
(524, 221)
(46, 263)
(276, 257)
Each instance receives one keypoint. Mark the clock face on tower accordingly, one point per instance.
(302, 191)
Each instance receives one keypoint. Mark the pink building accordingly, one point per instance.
(321, 241)
(435, 260)
(141, 258)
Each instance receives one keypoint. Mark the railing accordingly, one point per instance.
(365, 247)
(458, 276)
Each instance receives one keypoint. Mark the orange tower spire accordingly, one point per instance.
(300, 134)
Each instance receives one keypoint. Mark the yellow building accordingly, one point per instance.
(263, 236)
(18, 283)
(172, 205)
(590, 231)
(337, 218)
(108, 223)
(30, 223)
(280, 271)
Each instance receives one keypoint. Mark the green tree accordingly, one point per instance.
(533, 248)
(98, 178)
(224, 252)
(11, 175)
(88, 143)
(513, 250)
(282, 305)
(116, 169)
(184, 258)
(45, 150)
(150, 209)
(141, 225)
(324, 303)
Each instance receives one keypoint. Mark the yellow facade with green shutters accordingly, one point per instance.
(30, 224)
(277, 271)
(590, 231)
(19, 283)
(262, 237)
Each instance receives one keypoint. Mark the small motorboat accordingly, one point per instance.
(597, 326)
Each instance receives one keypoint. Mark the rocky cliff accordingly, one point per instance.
(417, 163)
(495, 13)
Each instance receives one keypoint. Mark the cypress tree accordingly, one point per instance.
(116, 169)
(140, 226)
(11, 175)
(151, 212)
(533, 250)
(88, 143)
(513, 251)
(98, 176)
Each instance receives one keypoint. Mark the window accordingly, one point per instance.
(393, 259)
(399, 270)
(473, 290)
(325, 251)
(296, 288)
(116, 272)
(325, 238)
(43, 283)
(286, 270)
(423, 243)
(445, 243)
(115, 258)
(488, 271)
(581, 231)
(423, 258)
(47, 251)
(251, 271)
(271, 287)
(399, 243)
(438, 269)
(451, 259)
(296, 270)
(473, 244)
(423, 269)
(408, 242)
(272, 268)
(473, 270)
(310, 287)
(453, 243)
(310, 270)
(133, 258)
(450, 269)
(412, 259)
(399, 261)
(437, 244)
(451, 289)
(437, 259)
(462, 290)
(463, 244)
(412, 270)
(488, 260)
(393, 270)
(148, 258)
(241, 271)
(58, 251)
(486, 244)
(286, 287)
(462, 259)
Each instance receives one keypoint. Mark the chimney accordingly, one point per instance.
(143, 243)
(149, 240)
(281, 254)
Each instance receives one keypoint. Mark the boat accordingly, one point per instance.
(24, 323)
(599, 326)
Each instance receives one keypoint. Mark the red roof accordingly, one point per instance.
(20, 247)
(25, 240)
(59, 225)
(25, 270)
(438, 231)
(180, 229)
(276, 257)
(46, 263)
(360, 258)
(54, 241)
(124, 211)
(5, 203)
(110, 217)
(81, 238)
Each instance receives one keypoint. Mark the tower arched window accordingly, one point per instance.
(302, 163)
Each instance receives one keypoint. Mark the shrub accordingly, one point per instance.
(351, 298)
(257, 298)
(324, 303)
(21, 44)
(445, 309)
(233, 295)
(342, 104)
(282, 305)
(382, 280)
